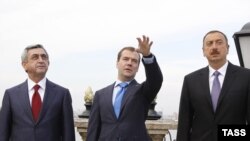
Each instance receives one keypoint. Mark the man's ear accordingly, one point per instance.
(24, 66)
(203, 52)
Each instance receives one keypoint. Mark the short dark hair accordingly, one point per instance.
(215, 31)
(132, 49)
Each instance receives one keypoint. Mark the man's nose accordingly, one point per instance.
(129, 62)
(214, 46)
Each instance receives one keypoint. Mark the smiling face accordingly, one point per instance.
(215, 49)
(36, 64)
(127, 65)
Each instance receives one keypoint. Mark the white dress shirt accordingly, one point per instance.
(221, 77)
(41, 90)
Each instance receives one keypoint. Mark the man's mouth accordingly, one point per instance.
(40, 66)
(129, 70)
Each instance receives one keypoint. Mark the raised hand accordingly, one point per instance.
(144, 45)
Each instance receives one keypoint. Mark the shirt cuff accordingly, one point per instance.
(148, 59)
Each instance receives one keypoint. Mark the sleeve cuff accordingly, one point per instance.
(148, 59)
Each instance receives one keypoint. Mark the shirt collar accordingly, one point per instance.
(221, 70)
(41, 83)
(119, 81)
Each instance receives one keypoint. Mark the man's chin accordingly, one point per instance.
(129, 76)
(214, 58)
(41, 72)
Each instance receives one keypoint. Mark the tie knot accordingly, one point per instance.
(216, 73)
(123, 84)
(36, 87)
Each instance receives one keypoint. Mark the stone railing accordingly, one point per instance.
(157, 129)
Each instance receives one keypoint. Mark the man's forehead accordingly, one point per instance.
(129, 53)
(37, 51)
(214, 36)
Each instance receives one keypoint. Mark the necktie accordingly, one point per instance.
(215, 92)
(118, 98)
(36, 103)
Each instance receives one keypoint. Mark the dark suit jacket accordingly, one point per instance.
(55, 122)
(130, 126)
(197, 120)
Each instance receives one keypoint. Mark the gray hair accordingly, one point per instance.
(24, 56)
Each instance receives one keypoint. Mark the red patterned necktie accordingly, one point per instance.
(36, 103)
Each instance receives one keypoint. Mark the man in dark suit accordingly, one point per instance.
(201, 110)
(52, 117)
(129, 124)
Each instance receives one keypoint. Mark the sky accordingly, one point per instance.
(83, 38)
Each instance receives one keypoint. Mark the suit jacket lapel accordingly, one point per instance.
(131, 90)
(205, 86)
(228, 80)
(48, 98)
(108, 97)
(24, 99)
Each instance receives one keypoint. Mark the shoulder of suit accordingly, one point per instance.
(111, 86)
(50, 83)
(18, 86)
(134, 82)
(198, 72)
(235, 67)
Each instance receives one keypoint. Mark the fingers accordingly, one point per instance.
(145, 41)
(144, 45)
(150, 44)
(139, 40)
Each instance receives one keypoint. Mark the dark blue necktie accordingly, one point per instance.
(215, 92)
(118, 98)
